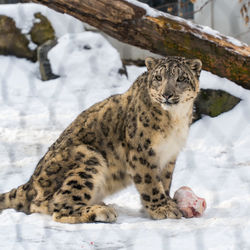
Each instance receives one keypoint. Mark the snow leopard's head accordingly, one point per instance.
(173, 80)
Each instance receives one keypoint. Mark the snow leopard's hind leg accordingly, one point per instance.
(78, 199)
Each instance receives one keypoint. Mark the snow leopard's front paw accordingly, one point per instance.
(169, 210)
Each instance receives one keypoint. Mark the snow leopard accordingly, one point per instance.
(129, 138)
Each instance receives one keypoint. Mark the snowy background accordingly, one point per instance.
(215, 162)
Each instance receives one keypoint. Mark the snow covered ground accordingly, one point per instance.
(215, 162)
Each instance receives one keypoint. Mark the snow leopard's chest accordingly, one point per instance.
(167, 149)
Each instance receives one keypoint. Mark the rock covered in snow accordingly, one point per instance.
(12, 41)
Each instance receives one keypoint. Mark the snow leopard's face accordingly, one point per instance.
(173, 80)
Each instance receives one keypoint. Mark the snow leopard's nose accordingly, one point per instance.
(171, 98)
(167, 96)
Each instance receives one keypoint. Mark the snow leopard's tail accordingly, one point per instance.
(16, 198)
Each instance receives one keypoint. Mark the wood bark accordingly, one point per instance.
(162, 34)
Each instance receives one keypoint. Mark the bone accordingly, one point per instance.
(190, 204)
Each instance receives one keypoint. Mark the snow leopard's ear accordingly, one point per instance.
(195, 65)
(150, 63)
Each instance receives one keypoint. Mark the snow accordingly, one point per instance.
(236, 41)
(215, 162)
(211, 31)
(149, 11)
(23, 14)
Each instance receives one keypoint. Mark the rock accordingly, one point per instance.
(213, 102)
(138, 62)
(9, 1)
(123, 71)
(12, 41)
(44, 63)
(41, 31)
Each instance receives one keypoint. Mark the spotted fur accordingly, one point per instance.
(134, 137)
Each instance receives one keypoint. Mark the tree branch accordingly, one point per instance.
(129, 22)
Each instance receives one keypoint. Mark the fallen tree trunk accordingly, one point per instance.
(137, 24)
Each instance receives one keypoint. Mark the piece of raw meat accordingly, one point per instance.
(189, 204)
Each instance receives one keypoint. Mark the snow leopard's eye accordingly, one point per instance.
(181, 79)
(158, 78)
